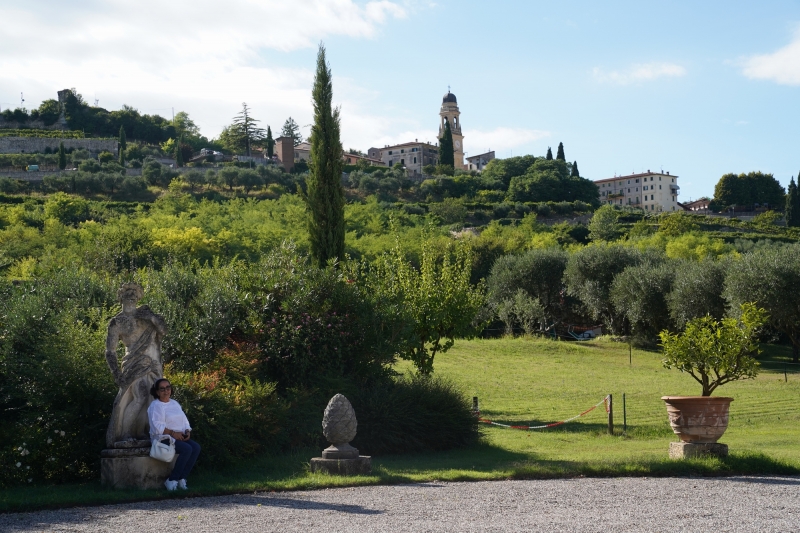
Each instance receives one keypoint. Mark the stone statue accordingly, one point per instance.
(339, 425)
(141, 331)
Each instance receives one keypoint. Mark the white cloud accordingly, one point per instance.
(781, 66)
(203, 57)
(639, 73)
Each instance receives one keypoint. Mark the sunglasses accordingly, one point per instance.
(162, 389)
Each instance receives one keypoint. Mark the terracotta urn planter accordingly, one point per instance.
(698, 419)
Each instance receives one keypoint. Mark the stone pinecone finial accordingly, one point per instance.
(339, 421)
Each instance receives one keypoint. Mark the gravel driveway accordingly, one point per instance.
(763, 504)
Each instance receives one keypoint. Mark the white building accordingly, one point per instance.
(477, 162)
(413, 155)
(651, 191)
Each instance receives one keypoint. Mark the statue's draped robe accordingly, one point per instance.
(140, 367)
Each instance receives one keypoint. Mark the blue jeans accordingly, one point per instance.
(187, 456)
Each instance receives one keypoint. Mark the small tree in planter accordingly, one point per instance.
(714, 353)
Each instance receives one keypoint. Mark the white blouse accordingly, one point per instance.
(166, 415)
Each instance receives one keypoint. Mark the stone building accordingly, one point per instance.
(477, 162)
(412, 155)
(651, 191)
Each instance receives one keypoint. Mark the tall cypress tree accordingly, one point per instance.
(446, 155)
(325, 195)
(560, 153)
(792, 213)
(179, 152)
(549, 155)
(796, 206)
(123, 144)
(62, 156)
(575, 173)
(270, 142)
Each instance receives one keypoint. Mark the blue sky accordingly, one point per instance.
(696, 88)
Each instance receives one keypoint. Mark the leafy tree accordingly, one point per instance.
(548, 180)
(438, 298)
(676, 224)
(639, 293)
(590, 274)
(502, 170)
(549, 155)
(179, 153)
(747, 190)
(228, 176)
(105, 157)
(446, 153)
(538, 273)
(770, 278)
(230, 140)
(792, 213)
(48, 112)
(269, 142)
(194, 178)
(246, 128)
(575, 173)
(325, 195)
(291, 129)
(697, 291)
(560, 153)
(249, 179)
(716, 352)
(62, 156)
(123, 144)
(450, 210)
(604, 225)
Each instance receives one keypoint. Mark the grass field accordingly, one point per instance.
(531, 382)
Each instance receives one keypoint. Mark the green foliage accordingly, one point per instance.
(640, 293)
(747, 190)
(560, 153)
(438, 298)
(770, 279)
(292, 129)
(446, 153)
(324, 192)
(244, 126)
(549, 155)
(62, 156)
(792, 210)
(549, 180)
(450, 211)
(604, 225)
(43, 134)
(66, 209)
(675, 224)
(575, 173)
(697, 291)
(269, 143)
(716, 352)
(589, 277)
(538, 273)
(413, 414)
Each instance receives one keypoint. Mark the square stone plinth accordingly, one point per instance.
(360, 466)
(134, 472)
(689, 450)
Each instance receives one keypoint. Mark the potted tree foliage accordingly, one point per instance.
(714, 353)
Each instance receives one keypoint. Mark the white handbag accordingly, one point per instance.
(161, 451)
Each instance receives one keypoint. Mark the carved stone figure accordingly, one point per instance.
(339, 425)
(141, 331)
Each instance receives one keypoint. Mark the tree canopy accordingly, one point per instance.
(747, 190)
(446, 154)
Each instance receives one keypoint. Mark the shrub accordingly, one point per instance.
(413, 414)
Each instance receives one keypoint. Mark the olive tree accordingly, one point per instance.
(639, 293)
(697, 291)
(770, 279)
(589, 275)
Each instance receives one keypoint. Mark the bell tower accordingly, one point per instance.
(450, 113)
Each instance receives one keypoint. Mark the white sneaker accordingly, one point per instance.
(182, 484)
(171, 485)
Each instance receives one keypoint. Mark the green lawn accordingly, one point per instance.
(530, 382)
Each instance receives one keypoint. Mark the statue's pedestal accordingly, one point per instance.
(342, 460)
(359, 466)
(690, 450)
(133, 468)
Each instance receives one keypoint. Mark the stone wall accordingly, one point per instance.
(39, 176)
(29, 145)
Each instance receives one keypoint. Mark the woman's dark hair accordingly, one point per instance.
(154, 388)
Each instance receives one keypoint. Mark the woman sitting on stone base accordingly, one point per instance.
(167, 418)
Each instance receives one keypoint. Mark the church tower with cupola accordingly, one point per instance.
(450, 113)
